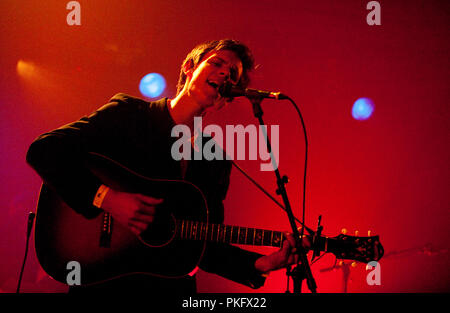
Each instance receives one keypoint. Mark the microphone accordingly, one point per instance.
(228, 90)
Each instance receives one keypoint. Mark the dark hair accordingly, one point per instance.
(196, 55)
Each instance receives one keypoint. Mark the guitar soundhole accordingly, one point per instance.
(160, 232)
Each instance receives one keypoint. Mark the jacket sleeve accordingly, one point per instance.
(226, 260)
(58, 156)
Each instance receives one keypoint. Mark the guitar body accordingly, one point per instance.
(106, 249)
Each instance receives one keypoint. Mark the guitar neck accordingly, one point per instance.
(363, 249)
(193, 230)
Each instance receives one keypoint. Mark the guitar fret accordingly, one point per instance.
(187, 229)
(188, 224)
(254, 233)
(239, 234)
(277, 239)
(195, 230)
(227, 231)
(248, 240)
(271, 238)
(246, 232)
(242, 237)
(201, 231)
(265, 239)
(217, 231)
(182, 229)
(258, 237)
(233, 234)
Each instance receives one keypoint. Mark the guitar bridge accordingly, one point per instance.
(106, 231)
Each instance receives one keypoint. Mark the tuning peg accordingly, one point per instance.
(344, 231)
(356, 232)
(354, 264)
(369, 233)
(341, 263)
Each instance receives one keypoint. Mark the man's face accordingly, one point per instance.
(214, 70)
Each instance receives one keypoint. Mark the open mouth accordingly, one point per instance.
(213, 84)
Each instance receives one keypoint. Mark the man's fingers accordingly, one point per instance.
(291, 241)
(149, 200)
(145, 210)
(137, 226)
(288, 250)
(145, 218)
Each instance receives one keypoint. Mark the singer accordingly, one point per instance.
(137, 134)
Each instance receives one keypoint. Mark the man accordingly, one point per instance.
(137, 134)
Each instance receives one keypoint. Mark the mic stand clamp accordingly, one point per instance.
(302, 269)
(315, 246)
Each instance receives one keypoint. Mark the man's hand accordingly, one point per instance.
(133, 210)
(284, 257)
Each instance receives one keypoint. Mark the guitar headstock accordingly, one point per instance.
(362, 249)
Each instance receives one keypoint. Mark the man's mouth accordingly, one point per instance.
(213, 84)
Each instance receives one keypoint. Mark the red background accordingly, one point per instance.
(389, 174)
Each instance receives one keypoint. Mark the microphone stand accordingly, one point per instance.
(302, 270)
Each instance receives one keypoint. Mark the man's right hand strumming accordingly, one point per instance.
(136, 211)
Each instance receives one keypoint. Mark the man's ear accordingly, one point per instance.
(188, 68)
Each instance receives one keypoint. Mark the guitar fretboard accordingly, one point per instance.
(194, 230)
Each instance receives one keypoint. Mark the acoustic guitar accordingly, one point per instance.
(171, 247)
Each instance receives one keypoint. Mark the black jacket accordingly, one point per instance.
(137, 134)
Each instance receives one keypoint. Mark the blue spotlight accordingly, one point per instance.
(362, 109)
(152, 85)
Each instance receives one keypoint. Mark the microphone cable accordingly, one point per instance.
(306, 162)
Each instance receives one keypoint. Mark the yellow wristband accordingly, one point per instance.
(100, 195)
